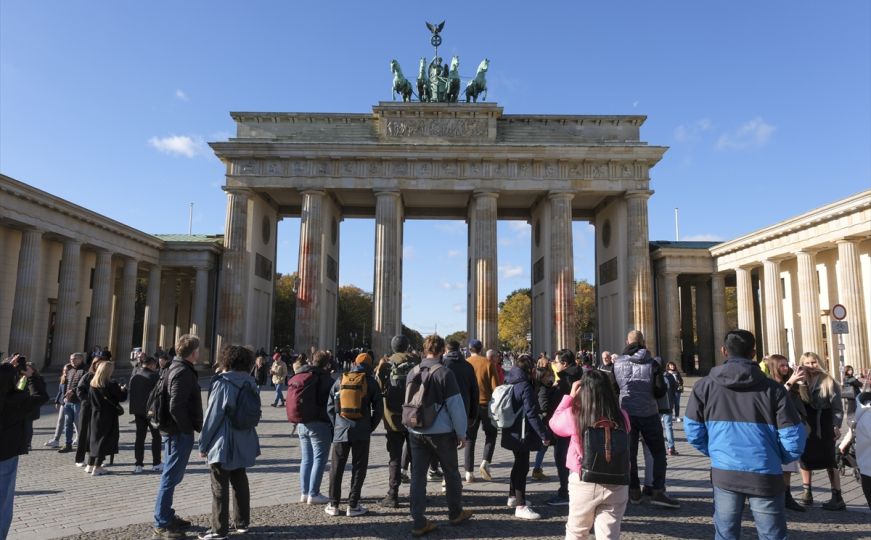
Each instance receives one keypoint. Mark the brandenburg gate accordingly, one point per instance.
(412, 160)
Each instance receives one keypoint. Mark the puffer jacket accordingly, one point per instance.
(746, 423)
(528, 431)
(639, 377)
(220, 441)
(863, 432)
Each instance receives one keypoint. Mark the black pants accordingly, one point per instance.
(424, 448)
(517, 488)
(560, 453)
(143, 426)
(489, 439)
(221, 481)
(396, 440)
(84, 433)
(650, 428)
(866, 488)
(359, 451)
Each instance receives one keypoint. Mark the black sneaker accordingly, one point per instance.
(792, 505)
(635, 496)
(659, 498)
(647, 492)
(180, 524)
(165, 533)
(558, 500)
(836, 503)
(66, 449)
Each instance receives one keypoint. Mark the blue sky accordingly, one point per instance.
(766, 106)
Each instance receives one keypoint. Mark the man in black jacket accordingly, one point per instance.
(185, 417)
(463, 371)
(22, 391)
(71, 403)
(141, 384)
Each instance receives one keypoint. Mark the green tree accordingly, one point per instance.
(354, 325)
(414, 337)
(585, 312)
(284, 317)
(461, 336)
(515, 320)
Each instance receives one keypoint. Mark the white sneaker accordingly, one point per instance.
(137, 469)
(99, 471)
(331, 510)
(525, 512)
(317, 498)
(89, 469)
(512, 502)
(81, 464)
(157, 468)
(484, 469)
(354, 511)
(470, 477)
(303, 498)
(52, 443)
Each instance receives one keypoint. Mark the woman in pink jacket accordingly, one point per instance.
(591, 399)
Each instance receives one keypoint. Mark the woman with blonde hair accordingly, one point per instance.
(105, 396)
(821, 396)
(780, 371)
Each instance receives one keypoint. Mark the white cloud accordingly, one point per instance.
(451, 286)
(178, 145)
(635, 104)
(408, 253)
(703, 238)
(181, 96)
(509, 271)
(752, 134)
(691, 132)
(453, 253)
(459, 308)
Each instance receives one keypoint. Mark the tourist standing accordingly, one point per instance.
(822, 401)
(182, 392)
(105, 396)
(849, 390)
(354, 408)
(666, 408)
(260, 371)
(607, 362)
(73, 373)
(228, 447)
(544, 380)
(863, 439)
(440, 401)
(568, 371)
(83, 391)
(601, 506)
(528, 433)
(467, 383)
(141, 385)
(279, 375)
(488, 379)
(747, 425)
(675, 388)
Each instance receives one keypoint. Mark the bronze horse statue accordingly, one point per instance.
(479, 84)
(424, 92)
(401, 85)
(453, 90)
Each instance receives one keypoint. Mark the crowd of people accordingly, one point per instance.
(759, 422)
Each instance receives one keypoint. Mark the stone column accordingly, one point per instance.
(183, 321)
(66, 324)
(638, 267)
(562, 274)
(744, 292)
(703, 325)
(687, 336)
(718, 313)
(774, 335)
(126, 311)
(151, 322)
(809, 304)
(101, 301)
(670, 310)
(167, 310)
(234, 271)
(26, 285)
(484, 269)
(387, 299)
(201, 299)
(311, 233)
(851, 295)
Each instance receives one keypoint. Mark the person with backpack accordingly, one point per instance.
(229, 440)
(140, 387)
(437, 421)
(598, 487)
(355, 408)
(307, 394)
(392, 374)
(468, 385)
(521, 433)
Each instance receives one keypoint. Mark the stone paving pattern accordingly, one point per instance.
(56, 499)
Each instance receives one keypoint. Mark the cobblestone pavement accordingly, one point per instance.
(56, 499)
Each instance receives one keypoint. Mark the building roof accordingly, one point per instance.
(205, 238)
(657, 244)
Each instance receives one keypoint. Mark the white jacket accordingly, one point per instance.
(863, 432)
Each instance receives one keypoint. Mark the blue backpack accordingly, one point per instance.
(245, 413)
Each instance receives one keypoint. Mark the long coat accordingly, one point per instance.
(523, 398)
(104, 429)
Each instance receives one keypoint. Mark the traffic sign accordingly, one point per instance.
(839, 312)
(840, 327)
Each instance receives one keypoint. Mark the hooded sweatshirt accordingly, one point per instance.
(748, 426)
(466, 380)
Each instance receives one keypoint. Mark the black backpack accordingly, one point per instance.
(157, 404)
(606, 454)
(245, 413)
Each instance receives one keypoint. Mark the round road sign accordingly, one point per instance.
(839, 312)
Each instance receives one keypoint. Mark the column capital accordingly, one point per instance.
(482, 194)
(238, 190)
(387, 192)
(313, 192)
(561, 194)
(638, 194)
(71, 241)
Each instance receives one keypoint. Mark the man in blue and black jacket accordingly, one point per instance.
(747, 425)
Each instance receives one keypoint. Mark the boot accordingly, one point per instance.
(792, 505)
(807, 498)
(538, 474)
(836, 502)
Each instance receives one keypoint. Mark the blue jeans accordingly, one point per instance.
(668, 426)
(70, 414)
(8, 473)
(176, 452)
(768, 513)
(279, 397)
(314, 444)
(539, 457)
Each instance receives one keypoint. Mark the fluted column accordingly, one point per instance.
(687, 336)
(670, 310)
(387, 299)
(151, 320)
(703, 325)
(484, 269)
(234, 271)
(851, 295)
(638, 267)
(126, 310)
(774, 335)
(562, 273)
(26, 285)
(167, 310)
(66, 323)
(183, 321)
(201, 299)
(311, 233)
(809, 304)
(101, 300)
(744, 292)
(718, 313)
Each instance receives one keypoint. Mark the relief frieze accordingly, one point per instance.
(436, 127)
